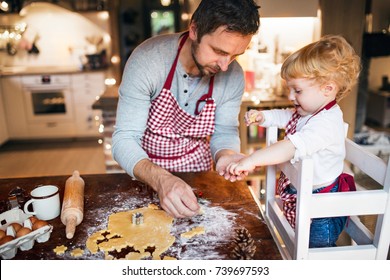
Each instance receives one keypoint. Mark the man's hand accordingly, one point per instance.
(176, 197)
(224, 158)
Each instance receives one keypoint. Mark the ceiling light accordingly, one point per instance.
(4, 6)
(165, 2)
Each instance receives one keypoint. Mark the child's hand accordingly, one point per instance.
(224, 161)
(254, 117)
(244, 166)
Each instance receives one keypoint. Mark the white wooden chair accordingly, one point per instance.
(365, 245)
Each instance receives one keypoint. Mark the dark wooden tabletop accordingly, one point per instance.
(106, 194)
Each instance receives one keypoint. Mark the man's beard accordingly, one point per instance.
(201, 68)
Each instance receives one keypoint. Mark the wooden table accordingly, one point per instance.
(109, 193)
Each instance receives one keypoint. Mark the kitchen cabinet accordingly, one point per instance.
(23, 121)
(15, 113)
(52, 106)
(87, 88)
(3, 124)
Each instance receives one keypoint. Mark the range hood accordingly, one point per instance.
(41, 6)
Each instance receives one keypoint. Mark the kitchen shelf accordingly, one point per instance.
(248, 142)
(74, 5)
(256, 143)
(253, 138)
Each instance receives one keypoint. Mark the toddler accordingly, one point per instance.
(317, 77)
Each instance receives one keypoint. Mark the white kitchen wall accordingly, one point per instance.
(276, 39)
(287, 34)
(60, 35)
(285, 8)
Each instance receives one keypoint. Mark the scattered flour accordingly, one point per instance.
(217, 222)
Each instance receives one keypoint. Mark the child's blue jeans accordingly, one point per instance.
(324, 232)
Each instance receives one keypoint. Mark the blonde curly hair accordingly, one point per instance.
(331, 58)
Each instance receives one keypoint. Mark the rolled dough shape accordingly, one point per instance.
(77, 252)
(122, 233)
(60, 250)
(194, 231)
(252, 118)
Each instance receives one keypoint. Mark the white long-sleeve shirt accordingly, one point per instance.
(322, 137)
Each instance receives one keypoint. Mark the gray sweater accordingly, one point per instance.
(144, 76)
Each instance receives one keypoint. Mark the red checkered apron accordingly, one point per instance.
(174, 139)
(289, 200)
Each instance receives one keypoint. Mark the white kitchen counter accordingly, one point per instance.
(41, 70)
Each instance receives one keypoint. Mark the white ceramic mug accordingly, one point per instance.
(45, 201)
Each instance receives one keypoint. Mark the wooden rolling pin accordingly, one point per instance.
(72, 212)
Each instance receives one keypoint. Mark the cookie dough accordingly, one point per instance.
(60, 250)
(121, 233)
(168, 258)
(252, 118)
(153, 206)
(193, 232)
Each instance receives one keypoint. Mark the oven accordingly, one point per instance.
(48, 99)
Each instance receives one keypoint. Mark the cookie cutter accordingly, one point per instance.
(137, 218)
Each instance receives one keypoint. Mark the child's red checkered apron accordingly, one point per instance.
(174, 139)
(289, 200)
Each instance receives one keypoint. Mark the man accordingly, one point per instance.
(179, 102)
